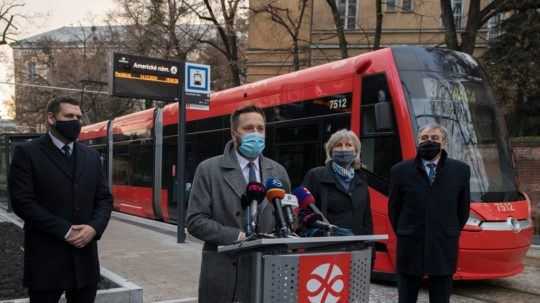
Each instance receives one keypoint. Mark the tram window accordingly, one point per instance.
(298, 146)
(141, 164)
(121, 171)
(380, 149)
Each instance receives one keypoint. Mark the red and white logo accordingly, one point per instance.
(324, 278)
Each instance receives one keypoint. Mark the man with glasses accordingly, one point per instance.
(428, 206)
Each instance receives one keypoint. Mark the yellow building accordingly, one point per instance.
(405, 22)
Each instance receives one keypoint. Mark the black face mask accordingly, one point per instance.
(428, 150)
(68, 129)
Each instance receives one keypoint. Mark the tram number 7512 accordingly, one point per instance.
(338, 103)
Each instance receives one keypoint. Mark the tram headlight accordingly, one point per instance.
(473, 223)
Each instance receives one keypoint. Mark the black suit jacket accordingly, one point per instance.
(50, 195)
(428, 218)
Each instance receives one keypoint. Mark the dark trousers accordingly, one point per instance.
(440, 288)
(79, 295)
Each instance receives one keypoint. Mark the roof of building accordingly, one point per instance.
(72, 34)
(78, 34)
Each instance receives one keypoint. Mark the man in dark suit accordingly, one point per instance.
(215, 214)
(57, 187)
(428, 206)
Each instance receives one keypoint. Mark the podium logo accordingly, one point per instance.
(324, 278)
(326, 284)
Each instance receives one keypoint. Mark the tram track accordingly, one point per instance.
(522, 288)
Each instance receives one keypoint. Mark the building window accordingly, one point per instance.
(494, 27)
(32, 75)
(391, 5)
(407, 5)
(347, 13)
(457, 9)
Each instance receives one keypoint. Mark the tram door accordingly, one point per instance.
(169, 177)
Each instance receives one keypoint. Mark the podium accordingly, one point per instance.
(306, 270)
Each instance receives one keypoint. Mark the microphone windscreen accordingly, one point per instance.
(305, 198)
(273, 183)
(255, 191)
(244, 201)
(274, 189)
(310, 219)
(275, 193)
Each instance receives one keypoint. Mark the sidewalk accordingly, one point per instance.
(145, 252)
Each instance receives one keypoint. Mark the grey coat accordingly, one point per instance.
(215, 215)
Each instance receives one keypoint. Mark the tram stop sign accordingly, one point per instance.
(158, 79)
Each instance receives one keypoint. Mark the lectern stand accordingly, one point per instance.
(319, 269)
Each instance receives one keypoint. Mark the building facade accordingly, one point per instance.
(404, 22)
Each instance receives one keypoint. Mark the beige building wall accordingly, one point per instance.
(269, 45)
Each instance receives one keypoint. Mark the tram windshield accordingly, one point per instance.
(458, 97)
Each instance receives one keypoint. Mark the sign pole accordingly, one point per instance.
(180, 165)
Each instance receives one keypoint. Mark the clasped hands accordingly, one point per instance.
(81, 235)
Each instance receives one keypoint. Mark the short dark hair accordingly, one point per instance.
(235, 116)
(54, 105)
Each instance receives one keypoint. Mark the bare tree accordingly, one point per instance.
(224, 15)
(291, 23)
(75, 66)
(8, 13)
(378, 24)
(477, 17)
(340, 28)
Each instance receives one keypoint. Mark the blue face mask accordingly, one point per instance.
(343, 158)
(252, 145)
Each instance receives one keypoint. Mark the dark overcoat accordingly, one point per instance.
(215, 215)
(50, 193)
(428, 218)
(344, 208)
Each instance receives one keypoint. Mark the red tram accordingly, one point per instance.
(384, 96)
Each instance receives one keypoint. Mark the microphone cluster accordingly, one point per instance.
(286, 206)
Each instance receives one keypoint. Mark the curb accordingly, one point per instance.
(185, 300)
(161, 227)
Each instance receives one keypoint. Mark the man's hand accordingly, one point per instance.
(81, 235)
(241, 236)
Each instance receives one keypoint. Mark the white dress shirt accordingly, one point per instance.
(428, 162)
(58, 143)
(245, 168)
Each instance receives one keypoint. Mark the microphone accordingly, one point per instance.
(316, 220)
(289, 202)
(275, 193)
(307, 201)
(255, 193)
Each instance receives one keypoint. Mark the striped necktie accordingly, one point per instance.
(252, 176)
(66, 150)
(431, 172)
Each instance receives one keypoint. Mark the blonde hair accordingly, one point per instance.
(338, 136)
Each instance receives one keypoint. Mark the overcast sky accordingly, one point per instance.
(48, 15)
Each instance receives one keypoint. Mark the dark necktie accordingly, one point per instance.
(431, 172)
(252, 177)
(66, 150)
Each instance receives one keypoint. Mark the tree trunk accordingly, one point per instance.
(468, 37)
(234, 64)
(447, 17)
(378, 26)
(340, 30)
(296, 55)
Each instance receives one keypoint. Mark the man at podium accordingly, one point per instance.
(214, 212)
